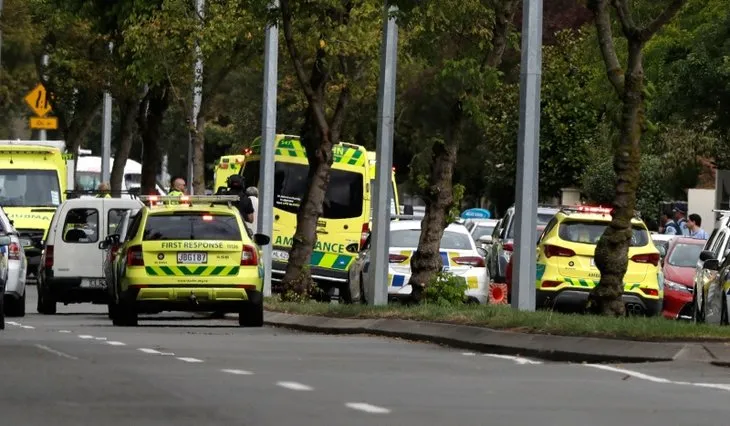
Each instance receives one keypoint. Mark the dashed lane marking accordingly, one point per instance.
(29, 327)
(85, 336)
(187, 359)
(655, 379)
(55, 352)
(115, 343)
(100, 338)
(468, 353)
(237, 372)
(517, 359)
(294, 386)
(12, 323)
(368, 408)
(64, 331)
(155, 352)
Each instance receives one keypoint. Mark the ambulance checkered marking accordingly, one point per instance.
(398, 280)
(586, 283)
(182, 271)
(339, 262)
(290, 147)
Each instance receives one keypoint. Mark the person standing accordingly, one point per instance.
(669, 226)
(694, 227)
(103, 190)
(177, 187)
(253, 195)
(680, 218)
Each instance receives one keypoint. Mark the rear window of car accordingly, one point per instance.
(192, 226)
(450, 241)
(542, 221)
(685, 255)
(480, 231)
(588, 232)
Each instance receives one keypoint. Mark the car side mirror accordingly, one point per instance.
(4, 240)
(408, 210)
(712, 264)
(103, 245)
(662, 251)
(261, 239)
(485, 239)
(706, 255)
(482, 252)
(353, 248)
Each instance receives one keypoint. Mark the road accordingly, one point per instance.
(75, 369)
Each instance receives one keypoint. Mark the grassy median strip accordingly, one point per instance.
(506, 318)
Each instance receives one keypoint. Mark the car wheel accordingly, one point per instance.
(346, 292)
(724, 313)
(251, 313)
(46, 302)
(2, 313)
(363, 299)
(697, 316)
(16, 307)
(125, 315)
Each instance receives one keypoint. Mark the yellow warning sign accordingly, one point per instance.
(44, 123)
(38, 101)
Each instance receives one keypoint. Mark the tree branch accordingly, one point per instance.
(338, 118)
(602, 19)
(504, 14)
(624, 17)
(293, 51)
(647, 33)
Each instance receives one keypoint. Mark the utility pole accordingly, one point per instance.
(1, 37)
(528, 151)
(268, 137)
(197, 95)
(106, 134)
(379, 242)
(44, 62)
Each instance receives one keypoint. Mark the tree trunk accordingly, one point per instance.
(152, 112)
(426, 261)
(613, 247)
(128, 114)
(198, 136)
(297, 279)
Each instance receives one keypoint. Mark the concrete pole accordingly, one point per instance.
(268, 137)
(1, 37)
(528, 151)
(381, 194)
(44, 61)
(106, 134)
(197, 97)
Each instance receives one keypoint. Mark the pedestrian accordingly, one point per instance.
(680, 218)
(103, 190)
(236, 187)
(670, 227)
(253, 195)
(694, 227)
(177, 187)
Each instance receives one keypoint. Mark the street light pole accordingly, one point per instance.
(197, 96)
(106, 134)
(44, 61)
(528, 151)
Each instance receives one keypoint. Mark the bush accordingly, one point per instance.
(445, 289)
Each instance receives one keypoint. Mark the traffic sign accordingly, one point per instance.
(476, 214)
(44, 123)
(38, 101)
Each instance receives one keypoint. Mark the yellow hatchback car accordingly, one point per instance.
(188, 253)
(566, 270)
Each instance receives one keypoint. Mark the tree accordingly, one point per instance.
(344, 37)
(612, 249)
(461, 43)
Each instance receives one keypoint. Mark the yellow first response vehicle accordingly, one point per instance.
(188, 253)
(394, 205)
(33, 183)
(226, 166)
(346, 218)
(566, 270)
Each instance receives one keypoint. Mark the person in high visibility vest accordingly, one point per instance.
(177, 187)
(103, 189)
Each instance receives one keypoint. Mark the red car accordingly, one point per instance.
(678, 268)
(508, 270)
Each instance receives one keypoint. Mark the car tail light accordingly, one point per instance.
(550, 284)
(650, 291)
(48, 253)
(364, 234)
(508, 246)
(249, 256)
(134, 256)
(652, 258)
(14, 251)
(475, 261)
(558, 251)
(396, 258)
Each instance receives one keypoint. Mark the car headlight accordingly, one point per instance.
(677, 286)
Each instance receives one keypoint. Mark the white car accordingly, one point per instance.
(17, 266)
(459, 254)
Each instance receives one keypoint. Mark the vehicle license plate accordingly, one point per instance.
(192, 258)
(26, 243)
(280, 255)
(93, 283)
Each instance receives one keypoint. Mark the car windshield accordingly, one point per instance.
(408, 238)
(542, 220)
(344, 198)
(192, 226)
(685, 255)
(29, 188)
(480, 231)
(588, 232)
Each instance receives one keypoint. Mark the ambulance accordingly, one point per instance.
(34, 178)
(345, 222)
(226, 166)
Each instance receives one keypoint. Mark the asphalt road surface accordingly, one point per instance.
(75, 369)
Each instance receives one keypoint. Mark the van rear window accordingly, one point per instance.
(589, 232)
(192, 226)
(344, 198)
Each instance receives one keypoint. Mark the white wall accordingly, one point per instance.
(702, 201)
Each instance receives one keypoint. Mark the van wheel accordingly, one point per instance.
(124, 315)
(251, 312)
(724, 313)
(46, 302)
(2, 313)
(15, 307)
(346, 293)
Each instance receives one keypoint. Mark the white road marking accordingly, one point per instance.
(186, 359)
(100, 338)
(237, 372)
(64, 331)
(294, 386)
(150, 351)
(55, 352)
(517, 359)
(11, 323)
(115, 343)
(368, 408)
(85, 336)
(655, 379)
(30, 327)
(468, 353)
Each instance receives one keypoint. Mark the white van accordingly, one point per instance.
(72, 266)
(88, 175)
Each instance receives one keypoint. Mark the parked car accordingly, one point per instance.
(5, 241)
(706, 294)
(678, 269)
(459, 254)
(481, 231)
(14, 296)
(110, 246)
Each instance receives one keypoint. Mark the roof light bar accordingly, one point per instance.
(193, 199)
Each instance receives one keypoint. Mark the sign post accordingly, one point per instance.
(37, 100)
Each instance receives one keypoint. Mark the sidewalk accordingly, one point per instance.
(549, 347)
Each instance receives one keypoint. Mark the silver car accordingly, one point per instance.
(17, 266)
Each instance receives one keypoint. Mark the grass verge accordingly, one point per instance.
(506, 318)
